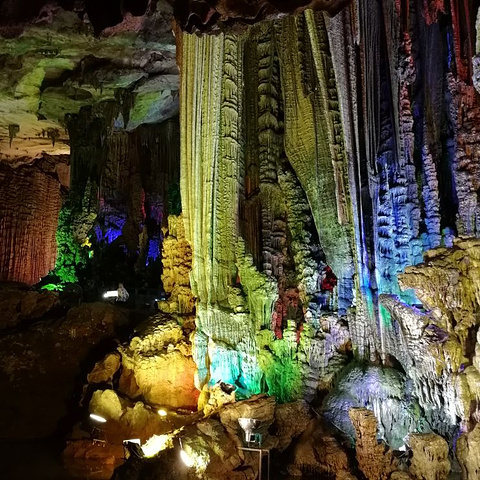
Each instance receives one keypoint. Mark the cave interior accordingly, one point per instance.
(237, 228)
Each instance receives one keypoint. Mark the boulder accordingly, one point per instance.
(17, 306)
(158, 365)
(126, 419)
(105, 369)
(468, 453)
(291, 420)
(430, 456)
(318, 452)
(40, 367)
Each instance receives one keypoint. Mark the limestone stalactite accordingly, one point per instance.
(313, 139)
(354, 134)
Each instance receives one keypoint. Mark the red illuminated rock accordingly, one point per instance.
(30, 201)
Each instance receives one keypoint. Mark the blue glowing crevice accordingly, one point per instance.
(153, 250)
(110, 228)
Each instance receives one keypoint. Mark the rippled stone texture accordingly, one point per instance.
(30, 201)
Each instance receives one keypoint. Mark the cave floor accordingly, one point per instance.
(43, 461)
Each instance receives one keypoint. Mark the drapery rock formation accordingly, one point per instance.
(123, 186)
(439, 348)
(30, 201)
(361, 132)
(243, 272)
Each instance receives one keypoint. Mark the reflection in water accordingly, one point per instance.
(43, 461)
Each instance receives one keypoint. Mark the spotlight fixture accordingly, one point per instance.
(248, 426)
(162, 412)
(97, 418)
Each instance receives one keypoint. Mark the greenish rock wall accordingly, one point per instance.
(265, 206)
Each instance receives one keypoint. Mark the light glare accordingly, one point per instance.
(162, 412)
(133, 440)
(186, 458)
(155, 444)
(97, 418)
(111, 294)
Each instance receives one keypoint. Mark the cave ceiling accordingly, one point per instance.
(56, 58)
(58, 61)
(211, 15)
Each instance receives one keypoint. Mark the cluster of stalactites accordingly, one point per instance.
(262, 158)
(408, 119)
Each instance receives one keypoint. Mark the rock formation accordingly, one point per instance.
(30, 201)
(430, 456)
(380, 389)
(318, 452)
(307, 226)
(54, 67)
(468, 445)
(158, 364)
(375, 460)
(40, 365)
(177, 264)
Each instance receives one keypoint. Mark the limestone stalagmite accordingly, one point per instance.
(430, 456)
(375, 460)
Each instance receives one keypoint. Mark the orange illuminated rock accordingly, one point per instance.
(158, 365)
(105, 369)
(30, 200)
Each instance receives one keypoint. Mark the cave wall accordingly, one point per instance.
(267, 219)
(31, 197)
(408, 108)
(123, 186)
(353, 134)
